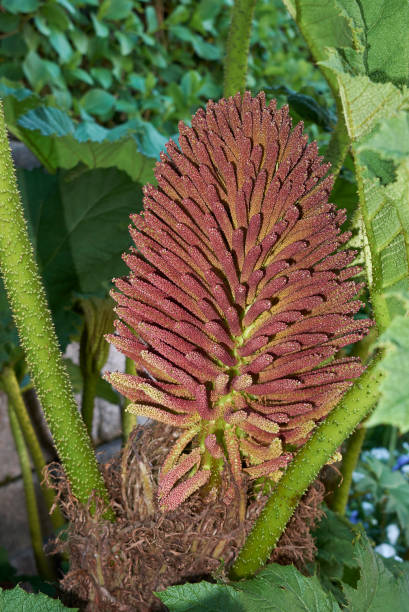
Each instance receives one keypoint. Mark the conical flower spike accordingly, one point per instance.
(239, 296)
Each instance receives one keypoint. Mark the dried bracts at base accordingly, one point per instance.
(238, 297)
(118, 566)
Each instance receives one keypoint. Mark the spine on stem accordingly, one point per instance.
(38, 338)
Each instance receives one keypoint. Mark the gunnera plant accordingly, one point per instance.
(238, 298)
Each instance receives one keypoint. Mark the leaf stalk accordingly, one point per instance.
(349, 462)
(13, 392)
(238, 44)
(37, 334)
(43, 564)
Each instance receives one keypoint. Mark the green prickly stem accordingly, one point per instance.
(12, 389)
(238, 43)
(302, 471)
(43, 564)
(38, 338)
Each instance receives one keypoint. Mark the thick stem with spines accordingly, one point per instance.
(238, 42)
(303, 470)
(12, 389)
(38, 338)
(43, 565)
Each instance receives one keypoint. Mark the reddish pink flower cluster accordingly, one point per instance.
(238, 296)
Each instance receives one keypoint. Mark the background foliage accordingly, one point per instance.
(95, 89)
(152, 62)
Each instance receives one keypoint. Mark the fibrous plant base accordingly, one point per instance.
(117, 566)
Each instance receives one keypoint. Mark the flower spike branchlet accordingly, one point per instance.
(238, 298)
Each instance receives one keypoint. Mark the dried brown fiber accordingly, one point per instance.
(116, 566)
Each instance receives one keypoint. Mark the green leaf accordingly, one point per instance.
(103, 75)
(137, 81)
(190, 84)
(126, 42)
(16, 599)
(179, 15)
(41, 72)
(79, 226)
(68, 6)
(308, 108)
(55, 16)
(372, 35)
(82, 75)
(35, 70)
(80, 239)
(377, 589)
(16, 101)
(372, 109)
(276, 588)
(151, 19)
(334, 560)
(60, 43)
(150, 141)
(80, 40)
(381, 41)
(374, 588)
(201, 597)
(205, 49)
(50, 121)
(390, 138)
(97, 102)
(41, 25)
(20, 6)
(8, 22)
(89, 130)
(201, 47)
(115, 9)
(326, 25)
(66, 152)
(101, 29)
(393, 406)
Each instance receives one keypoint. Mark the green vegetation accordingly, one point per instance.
(94, 90)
